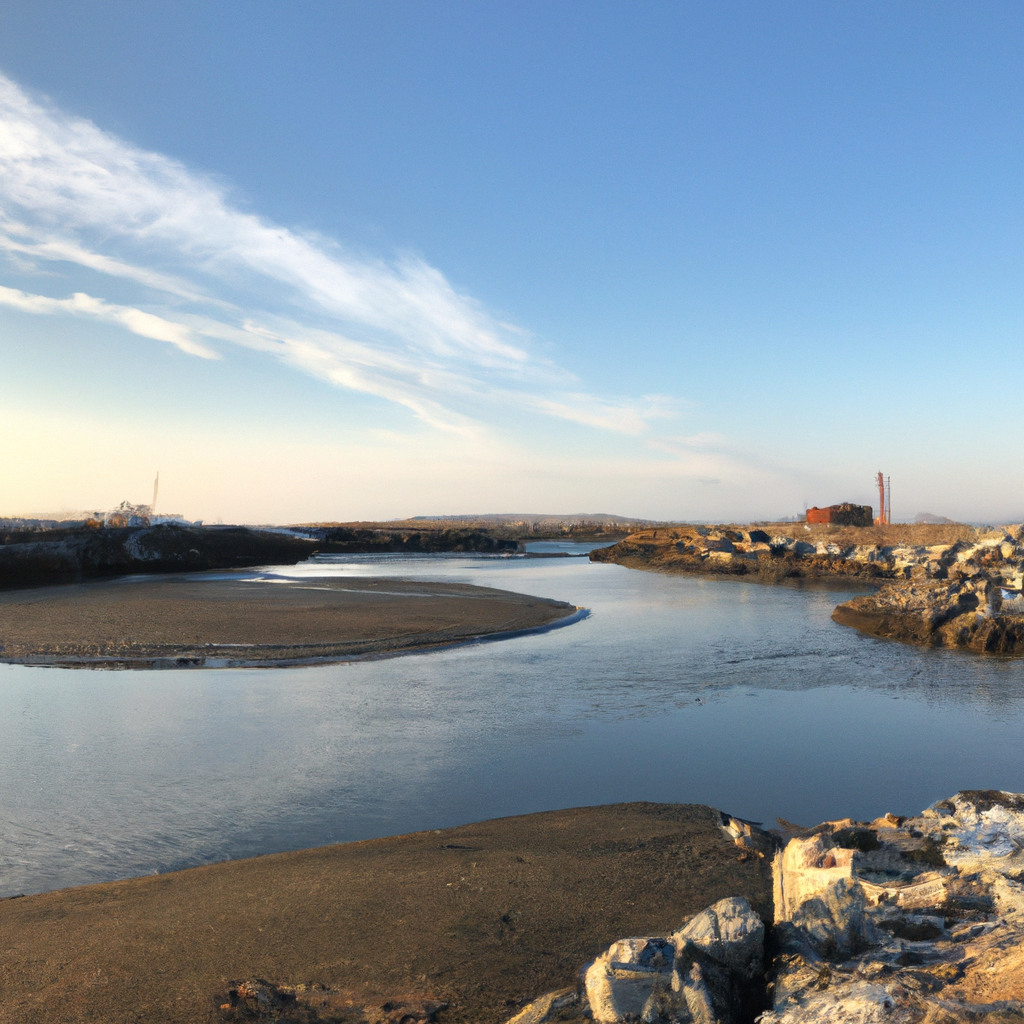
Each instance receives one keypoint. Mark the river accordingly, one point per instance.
(738, 695)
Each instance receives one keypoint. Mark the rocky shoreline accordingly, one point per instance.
(944, 586)
(898, 920)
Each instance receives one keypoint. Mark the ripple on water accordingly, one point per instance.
(674, 689)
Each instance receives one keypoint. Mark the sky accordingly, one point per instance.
(674, 261)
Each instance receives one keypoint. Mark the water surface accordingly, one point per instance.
(735, 694)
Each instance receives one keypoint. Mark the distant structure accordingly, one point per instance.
(884, 500)
(845, 514)
(127, 514)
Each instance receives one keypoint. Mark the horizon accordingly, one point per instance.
(340, 262)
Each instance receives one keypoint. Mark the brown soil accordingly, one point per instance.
(187, 620)
(484, 917)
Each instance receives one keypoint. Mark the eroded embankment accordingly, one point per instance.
(951, 585)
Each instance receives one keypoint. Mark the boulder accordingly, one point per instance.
(722, 544)
(730, 933)
(631, 980)
(711, 971)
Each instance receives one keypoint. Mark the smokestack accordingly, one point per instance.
(156, 487)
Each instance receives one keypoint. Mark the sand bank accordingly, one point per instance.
(481, 916)
(178, 621)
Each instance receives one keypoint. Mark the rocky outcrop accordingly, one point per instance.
(710, 971)
(904, 919)
(941, 585)
(898, 920)
(982, 612)
(794, 550)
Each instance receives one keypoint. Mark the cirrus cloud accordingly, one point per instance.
(206, 272)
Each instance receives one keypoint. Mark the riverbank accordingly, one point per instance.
(774, 552)
(940, 585)
(482, 917)
(185, 621)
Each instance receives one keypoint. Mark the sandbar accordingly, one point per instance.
(181, 621)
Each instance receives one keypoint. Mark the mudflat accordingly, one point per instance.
(191, 620)
(484, 917)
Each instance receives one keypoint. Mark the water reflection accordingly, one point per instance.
(742, 696)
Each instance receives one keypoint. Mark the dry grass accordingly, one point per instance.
(923, 534)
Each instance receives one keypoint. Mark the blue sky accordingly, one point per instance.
(670, 260)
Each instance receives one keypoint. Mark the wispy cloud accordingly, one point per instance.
(146, 325)
(207, 272)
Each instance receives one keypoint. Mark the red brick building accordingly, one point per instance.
(845, 514)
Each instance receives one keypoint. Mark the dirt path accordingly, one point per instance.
(175, 620)
(485, 917)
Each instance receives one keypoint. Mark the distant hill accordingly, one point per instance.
(518, 526)
(931, 517)
(538, 518)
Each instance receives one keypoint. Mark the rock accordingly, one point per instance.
(721, 544)
(830, 924)
(901, 920)
(730, 933)
(711, 970)
(926, 923)
(631, 979)
(256, 999)
(749, 835)
(964, 611)
(544, 1008)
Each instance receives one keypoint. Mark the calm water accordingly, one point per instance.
(745, 697)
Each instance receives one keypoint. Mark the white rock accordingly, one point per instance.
(540, 1010)
(730, 933)
(628, 976)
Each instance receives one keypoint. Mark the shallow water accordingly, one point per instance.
(739, 695)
